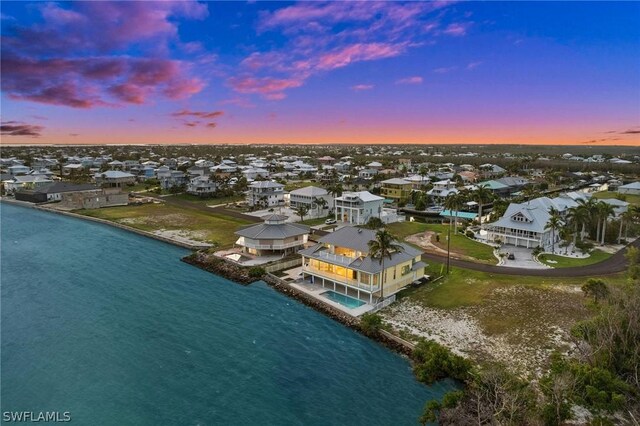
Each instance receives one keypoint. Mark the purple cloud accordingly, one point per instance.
(361, 87)
(410, 80)
(16, 128)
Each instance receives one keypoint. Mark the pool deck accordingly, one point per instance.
(316, 290)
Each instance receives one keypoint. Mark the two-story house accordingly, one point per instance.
(309, 197)
(273, 237)
(341, 262)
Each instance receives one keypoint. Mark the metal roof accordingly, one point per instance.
(271, 231)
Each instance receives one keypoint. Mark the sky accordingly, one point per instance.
(543, 72)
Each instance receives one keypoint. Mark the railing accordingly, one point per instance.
(273, 246)
(344, 260)
(340, 279)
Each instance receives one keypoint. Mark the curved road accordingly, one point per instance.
(613, 265)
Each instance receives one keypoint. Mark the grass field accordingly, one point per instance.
(460, 244)
(209, 227)
(565, 262)
(206, 201)
(314, 222)
(632, 199)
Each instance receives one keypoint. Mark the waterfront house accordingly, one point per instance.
(341, 262)
(357, 207)
(265, 194)
(273, 237)
(30, 182)
(398, 190)
(442, 189)
(53, 191)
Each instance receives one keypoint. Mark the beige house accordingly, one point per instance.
(341, 262)
(273, 237)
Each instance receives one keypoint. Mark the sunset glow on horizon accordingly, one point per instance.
(557, 73)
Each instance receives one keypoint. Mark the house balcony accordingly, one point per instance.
(340, 279)
(242, 241)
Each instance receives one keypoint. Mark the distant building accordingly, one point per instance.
(28, 182)
(202, 186)
(53, 191)
(273, 237)
(341, 261)
(398, 190)
(357, 207)
(114, 178)
(307, 196)
(632, 188)
(265, 194)
(94, 199)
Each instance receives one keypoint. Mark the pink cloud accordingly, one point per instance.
(457, 29)
(358, 52)
(473, 65)
(410, 80)
(269, 88)
(444, 70)
(361, 87)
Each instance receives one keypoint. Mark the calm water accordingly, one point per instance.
(115, 329)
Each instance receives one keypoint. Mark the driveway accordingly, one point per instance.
(523, 258)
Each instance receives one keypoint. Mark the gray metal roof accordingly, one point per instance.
(270, 231)
(536, 211)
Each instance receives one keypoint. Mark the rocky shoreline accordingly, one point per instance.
(241, 276)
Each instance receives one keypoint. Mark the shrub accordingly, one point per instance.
(371, 323)
(470, 234)
(256, 272)
(434, 362)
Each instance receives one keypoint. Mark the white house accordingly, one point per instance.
(358, 207)
(201, 186)
(442, 189)
(307, 196)
(273, 237)
(524, 225)
(265, 193)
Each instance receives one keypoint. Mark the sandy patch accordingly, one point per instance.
(184, 236)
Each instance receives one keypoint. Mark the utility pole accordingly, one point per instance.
(449, 248)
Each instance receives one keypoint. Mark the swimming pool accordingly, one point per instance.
(342, 299)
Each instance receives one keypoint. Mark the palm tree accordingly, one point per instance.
(320, 203)
(383, 246)
(453, 203)
(587, 213)
(605, 211)
(554, 223)
(627, 218)
(301, 211)
(480, 196)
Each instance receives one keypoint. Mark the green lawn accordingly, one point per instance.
(206, 201)
(460, 244)
(565, 262)
(314, 222)
(632, 199)
(209, 227)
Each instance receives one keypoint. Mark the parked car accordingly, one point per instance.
(330, 221)
(511, 256)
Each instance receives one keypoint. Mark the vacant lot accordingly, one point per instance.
(207, 201)
(460, 244)
(556, 261)
(199, 225)
(517, 320)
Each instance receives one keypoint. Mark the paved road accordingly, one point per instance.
(613, 265)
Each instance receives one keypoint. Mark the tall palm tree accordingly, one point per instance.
(320, 203)
(454, 203)
(383, 246)
(554, 223)
(481, 195)
(605, 211)
(625, 219)
(587, 211)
